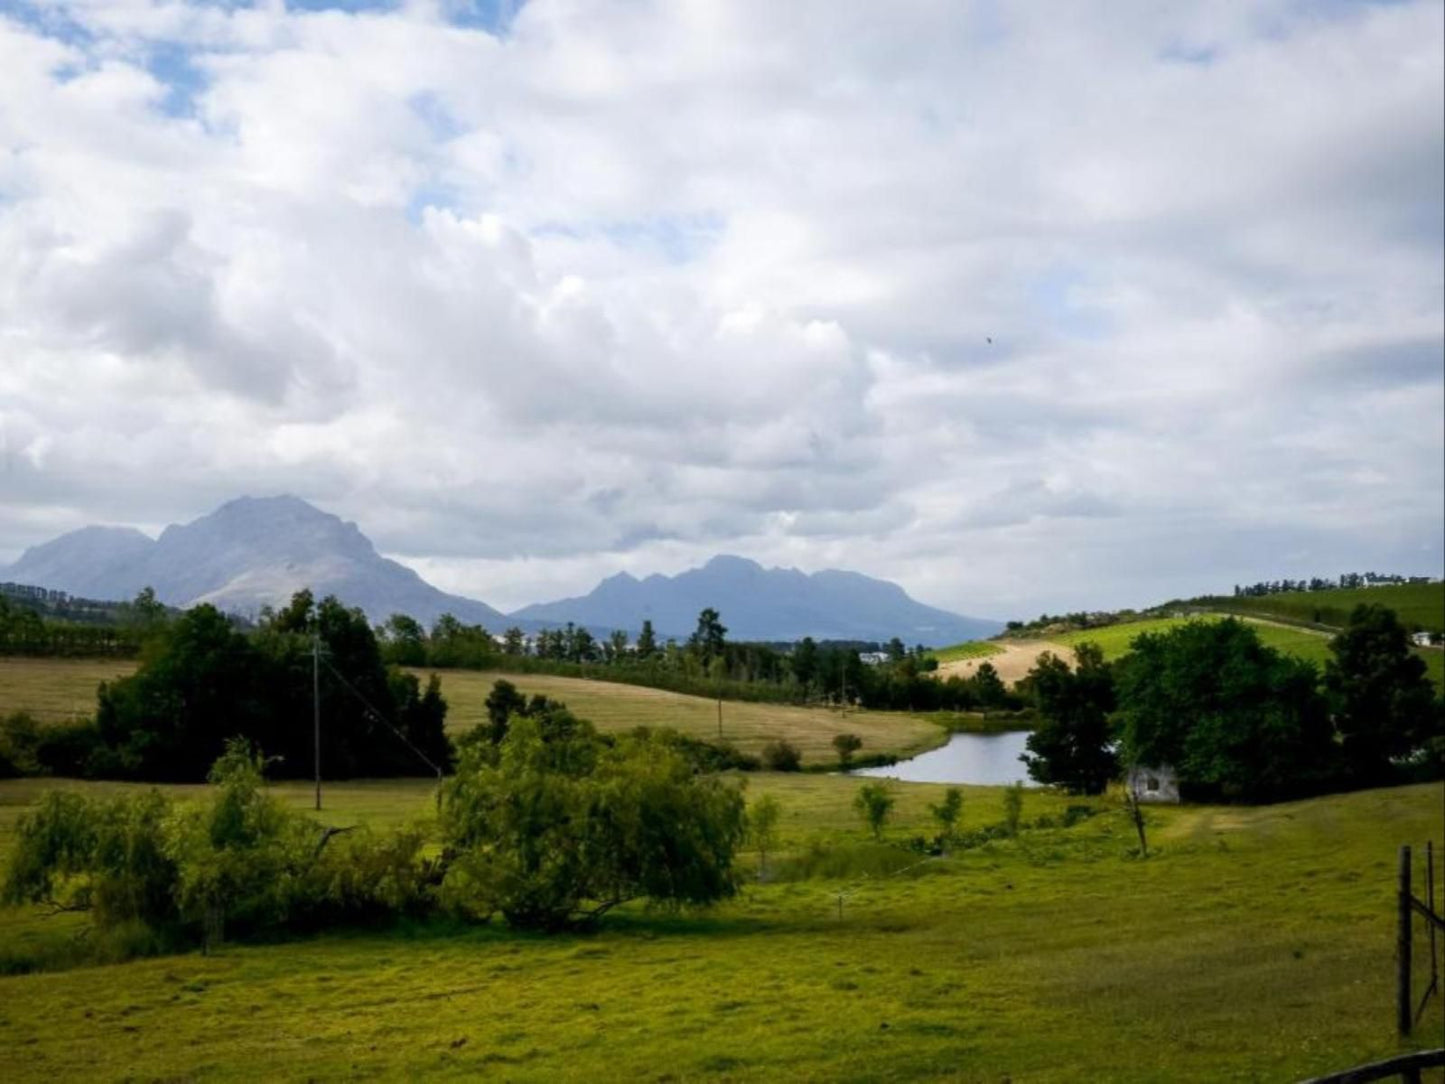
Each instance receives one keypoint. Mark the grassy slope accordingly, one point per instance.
(969, 649)
(54, 690)
(1420, 604)
(1302, 643)
(616, 707)
(1255, 944)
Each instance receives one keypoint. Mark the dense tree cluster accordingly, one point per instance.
(1238, 720)
(202, 681)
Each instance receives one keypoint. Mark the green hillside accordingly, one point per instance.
(969, 649)
(1115, 640)
(1417, 604)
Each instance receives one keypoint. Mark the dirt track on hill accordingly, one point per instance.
(1012, 663)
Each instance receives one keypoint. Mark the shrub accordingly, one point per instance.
(560, 826)
(874, 803)
(104, 856)
(846, 745)
(1013, 807)
(782, 756)
(19, 739)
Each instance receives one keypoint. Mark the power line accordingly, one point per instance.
(379, 717)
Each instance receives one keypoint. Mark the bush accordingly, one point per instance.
(846, 745)
(19, 739)
(241, 860)
(874, 803)
(554, 826)
(782, 756)
(68, 749)
(704, 756)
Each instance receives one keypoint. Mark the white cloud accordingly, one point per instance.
(633, 284)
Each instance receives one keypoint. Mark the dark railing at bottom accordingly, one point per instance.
(1407, 1067)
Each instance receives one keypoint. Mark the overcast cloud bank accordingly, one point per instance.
(1086, 304)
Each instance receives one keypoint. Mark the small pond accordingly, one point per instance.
(983, 759)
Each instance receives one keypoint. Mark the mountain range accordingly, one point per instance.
(759, 603)
(252, 552)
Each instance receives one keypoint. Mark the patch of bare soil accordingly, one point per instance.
(1012, 663)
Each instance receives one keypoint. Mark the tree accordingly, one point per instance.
(146, 611)
(846, 745)
(201, 681)
(616, 646)
(1071, 746)
(710, 638)
(562, 826)
(1233, 717)
(874, 803)
(502, 703)
(405, 640)
(763, 817)
(1383, 702)
(896, 650)
(988, 687)
(804, 662)
(514, 642)
(947, 814)
(646, 641)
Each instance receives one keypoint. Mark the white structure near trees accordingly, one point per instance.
(1153, 783)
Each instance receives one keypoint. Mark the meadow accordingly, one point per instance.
(1253, 944)
(56, 690)
(1417, 604)
(969, 649)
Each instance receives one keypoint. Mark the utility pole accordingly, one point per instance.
(316, 708)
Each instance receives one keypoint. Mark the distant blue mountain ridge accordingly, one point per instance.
(759, 603)
(257, 551)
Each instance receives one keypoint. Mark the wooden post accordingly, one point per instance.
(316, 709)
(1403, 1013)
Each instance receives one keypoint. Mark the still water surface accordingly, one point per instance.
(984, 759)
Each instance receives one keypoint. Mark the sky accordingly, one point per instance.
(1027, 307)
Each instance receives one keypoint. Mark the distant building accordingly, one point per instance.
(873, 658)
(1421, 639)
(1154, 783)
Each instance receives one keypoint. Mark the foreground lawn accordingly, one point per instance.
(1255, 944)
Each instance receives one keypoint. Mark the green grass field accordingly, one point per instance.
(616, 707)
(1254, 944)
(54, 690)
(1421, 604)
(969, 649)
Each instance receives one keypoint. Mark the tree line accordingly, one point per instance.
(707, 663)
(202, 681)
(1237, 720)
(1347, 580)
